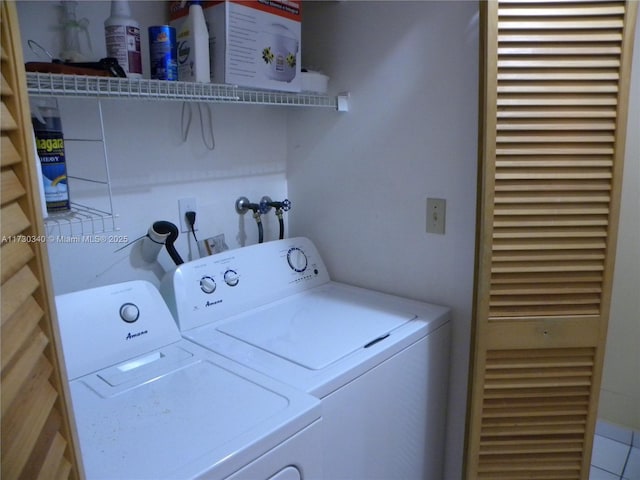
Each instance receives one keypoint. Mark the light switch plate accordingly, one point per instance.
(436, 209)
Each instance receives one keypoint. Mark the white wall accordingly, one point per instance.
(151, 167)
(620, 394)
(360, 183)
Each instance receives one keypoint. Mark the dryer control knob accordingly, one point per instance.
(207, 284)
(129, 312)
(231, 278)
(297, 259)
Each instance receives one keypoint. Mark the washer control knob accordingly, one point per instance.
(129, 312)
(231, 277)
(207, 284)
(297, 259)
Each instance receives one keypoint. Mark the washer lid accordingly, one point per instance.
(193, 415)
(316, 329)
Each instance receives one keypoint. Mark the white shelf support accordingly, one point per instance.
(343, 101)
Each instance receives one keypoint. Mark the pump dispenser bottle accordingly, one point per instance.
(122, 34)
(193, 47)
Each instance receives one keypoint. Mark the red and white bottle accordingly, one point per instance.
(122, 35)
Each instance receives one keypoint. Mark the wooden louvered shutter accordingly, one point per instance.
(555, 90)
(36, 430)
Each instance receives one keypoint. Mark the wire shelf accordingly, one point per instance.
(80, 221)
(49, 84)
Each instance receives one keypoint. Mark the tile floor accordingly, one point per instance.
(616, 453)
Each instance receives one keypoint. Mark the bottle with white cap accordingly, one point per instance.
(193, 46)
(122, 34)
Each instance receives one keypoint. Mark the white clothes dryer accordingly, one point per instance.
(149, 404)
(379, 363)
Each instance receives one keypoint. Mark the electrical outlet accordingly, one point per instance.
(186, 205)
(436, 209)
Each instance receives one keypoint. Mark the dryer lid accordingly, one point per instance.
(317, 328)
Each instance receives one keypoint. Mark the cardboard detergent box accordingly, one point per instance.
(251, 43)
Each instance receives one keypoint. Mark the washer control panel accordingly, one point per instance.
(228, 283)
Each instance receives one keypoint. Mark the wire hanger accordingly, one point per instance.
(185, 123)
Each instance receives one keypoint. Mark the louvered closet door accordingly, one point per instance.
(555, 91)
(36, 433)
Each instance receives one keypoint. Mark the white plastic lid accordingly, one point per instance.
(316, 329)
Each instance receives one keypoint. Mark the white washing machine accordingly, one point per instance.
(379, 363)
(149, 404)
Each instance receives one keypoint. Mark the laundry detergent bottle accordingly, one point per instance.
(122, 36)
(193, 47)
(47, 128)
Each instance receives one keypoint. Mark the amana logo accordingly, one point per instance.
(134, 335)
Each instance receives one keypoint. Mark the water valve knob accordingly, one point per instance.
(264, 207)
(207, 284)
(129, 312)
(266, 204)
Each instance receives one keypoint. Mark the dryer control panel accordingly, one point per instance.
(219, 286)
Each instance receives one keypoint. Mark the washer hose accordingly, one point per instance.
(243, 205)
(163, 232)
(280, 222)
(256, 215)
(284, 206)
